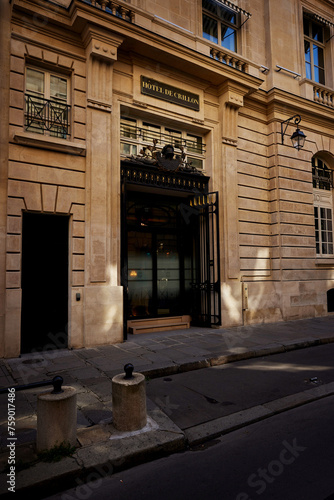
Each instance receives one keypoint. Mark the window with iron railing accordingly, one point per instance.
(137, 133)
(46, 103)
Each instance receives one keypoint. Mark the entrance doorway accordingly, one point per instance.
(44, 316)
(160, 263)
(170, 252)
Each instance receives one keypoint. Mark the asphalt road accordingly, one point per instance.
(287, 457)
(199, 396)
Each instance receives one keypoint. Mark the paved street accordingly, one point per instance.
(203, 395)
(200, 385)
(287, 457)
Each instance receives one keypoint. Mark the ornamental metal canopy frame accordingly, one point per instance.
(142, 174)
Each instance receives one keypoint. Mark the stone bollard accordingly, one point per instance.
(129, 400)
(56, 417)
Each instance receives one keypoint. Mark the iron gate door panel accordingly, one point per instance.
(206, 287)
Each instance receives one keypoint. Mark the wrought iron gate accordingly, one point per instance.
(206, 287)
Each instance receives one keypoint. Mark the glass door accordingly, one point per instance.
(140, 273)
(168, 274)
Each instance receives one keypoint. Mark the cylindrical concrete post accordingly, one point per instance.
(129, 402)
(56, 418)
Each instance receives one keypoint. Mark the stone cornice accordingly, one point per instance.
(145, 42)
(278, 99)
(50, 143)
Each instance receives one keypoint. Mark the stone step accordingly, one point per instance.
(159, 324)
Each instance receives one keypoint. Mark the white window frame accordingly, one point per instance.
(309, 39)
(46, 95)
(234, 26)
(323, 212)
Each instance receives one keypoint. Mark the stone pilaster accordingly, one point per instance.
(230, 100)
(103, 301)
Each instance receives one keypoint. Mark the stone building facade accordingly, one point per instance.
(147, 173)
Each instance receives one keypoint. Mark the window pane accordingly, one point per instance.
(174, 137)
(58, 88)
(151, 132)
(228, 38)
(318, 56)
(307, 51)
(318, 75)
(128, 149)
(195, 162)
(210, 6)
(321, 76)
(317, 32)
(308, 71)
(306, 27)
(210, 29)
(227, 15)
(35, 81)
(128, 128)
(194, 144)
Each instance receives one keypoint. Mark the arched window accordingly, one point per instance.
(323, 206)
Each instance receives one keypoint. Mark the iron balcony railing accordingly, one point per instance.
(47, 115)
(146, 135)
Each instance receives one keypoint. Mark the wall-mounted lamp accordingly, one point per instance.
(298, 137)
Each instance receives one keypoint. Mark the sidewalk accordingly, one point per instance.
(100, 448)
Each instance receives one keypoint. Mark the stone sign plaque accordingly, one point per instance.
(168, 93)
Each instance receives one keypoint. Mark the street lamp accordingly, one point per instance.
(298, 137)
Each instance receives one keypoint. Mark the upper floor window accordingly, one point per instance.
(220, 25)
(314, 48)
(137, 134)
(46, 108)
(323, 207)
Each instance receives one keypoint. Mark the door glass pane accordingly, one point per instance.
(140, 275)
(168, 274)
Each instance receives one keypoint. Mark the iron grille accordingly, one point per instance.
(130, 131)
(46, 115)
